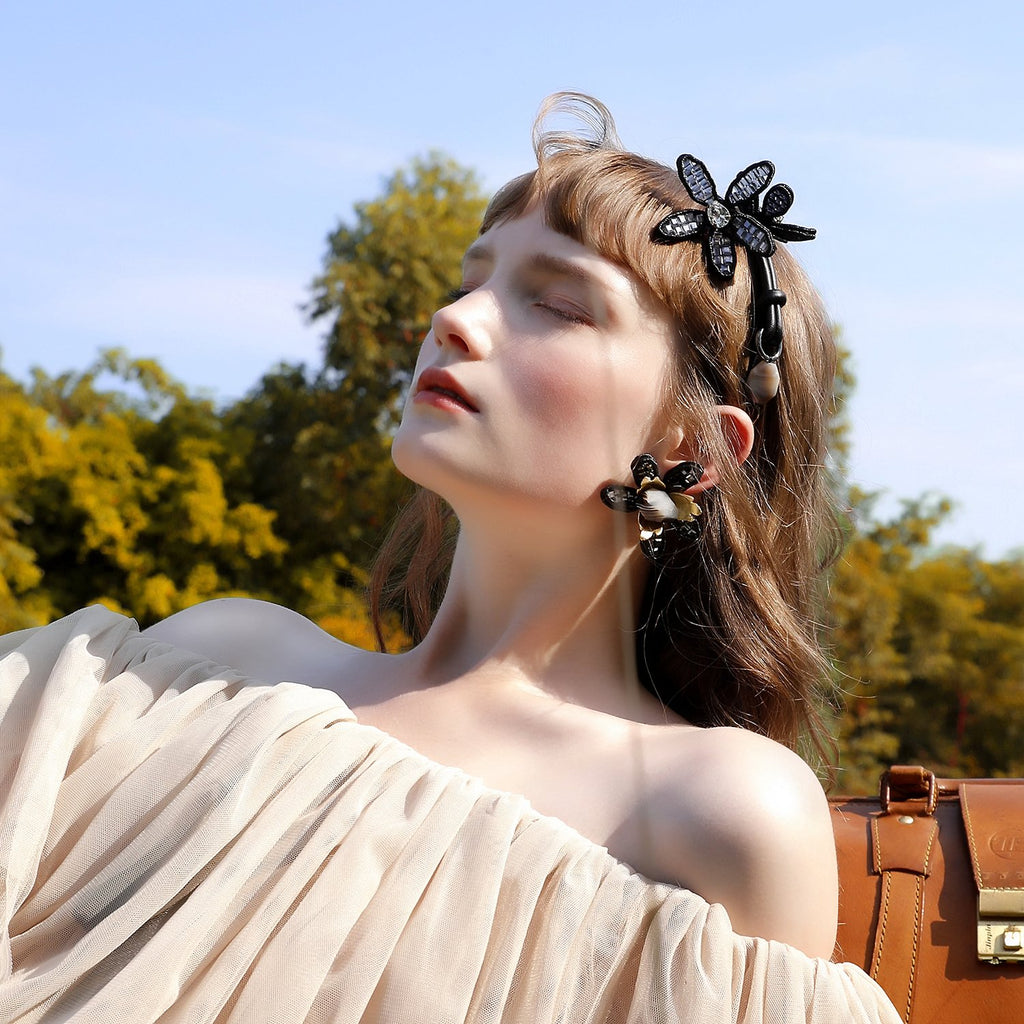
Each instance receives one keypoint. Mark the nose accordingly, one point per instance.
(461, 326)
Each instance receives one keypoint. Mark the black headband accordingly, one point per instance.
(742, 218)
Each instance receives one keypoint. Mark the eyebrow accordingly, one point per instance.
(477, 251)
(555, 265)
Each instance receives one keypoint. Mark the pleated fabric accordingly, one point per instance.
(181, 844)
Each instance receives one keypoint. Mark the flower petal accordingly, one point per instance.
(619, 498)
(643, 467)
(722, 253)
(753, 234)
(683, 476)
(653, 546)
(649, 530)
(777, 200)
(749, 182)
(792, 232)
(686, 507)
(688, 528)
(681, 226)
(695, 176)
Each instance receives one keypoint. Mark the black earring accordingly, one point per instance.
(663, 510)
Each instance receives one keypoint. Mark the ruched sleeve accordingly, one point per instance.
(180, 844)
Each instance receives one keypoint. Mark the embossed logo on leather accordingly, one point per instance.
(1008, 844)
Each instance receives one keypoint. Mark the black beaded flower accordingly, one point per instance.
(663, 509)
(738, 217)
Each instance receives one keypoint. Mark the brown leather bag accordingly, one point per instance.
(931, 902)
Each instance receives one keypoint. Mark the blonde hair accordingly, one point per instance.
(729, 636)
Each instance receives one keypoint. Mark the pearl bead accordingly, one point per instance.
(763, 381)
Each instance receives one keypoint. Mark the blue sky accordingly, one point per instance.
(168, 174)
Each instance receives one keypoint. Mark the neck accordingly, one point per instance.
(538, 606)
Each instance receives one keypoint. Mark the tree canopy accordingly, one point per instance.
(385, 275)
(929, 651)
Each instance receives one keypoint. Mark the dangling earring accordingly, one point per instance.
(663, 510)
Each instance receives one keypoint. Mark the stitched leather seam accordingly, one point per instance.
(931, 846)
(975, 860)
(883, 921)
(918, 921)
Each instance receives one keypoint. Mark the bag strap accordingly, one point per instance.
(902, 840)
(994, 819)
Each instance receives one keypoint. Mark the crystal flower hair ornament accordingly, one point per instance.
(663, 510)
(741, 218)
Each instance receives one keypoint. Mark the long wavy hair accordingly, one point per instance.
(728, 635)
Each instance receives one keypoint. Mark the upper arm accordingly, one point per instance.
(755, 835)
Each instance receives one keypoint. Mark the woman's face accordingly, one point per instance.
(542, 380)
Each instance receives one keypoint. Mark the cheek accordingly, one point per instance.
(556, 392)
(595, 396)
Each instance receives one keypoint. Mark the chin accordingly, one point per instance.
(404, 460)
(423, 462)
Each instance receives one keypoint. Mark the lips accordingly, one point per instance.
(440, 383)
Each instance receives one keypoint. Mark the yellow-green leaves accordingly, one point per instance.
(929, 650)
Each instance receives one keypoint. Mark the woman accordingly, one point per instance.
(581, 338)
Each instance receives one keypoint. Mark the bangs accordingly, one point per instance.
(609, 201)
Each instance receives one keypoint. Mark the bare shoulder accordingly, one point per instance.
(744, 768)
(229, 618)
(261, 639)
(747, 824)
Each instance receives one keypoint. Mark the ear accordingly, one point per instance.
(738, 433)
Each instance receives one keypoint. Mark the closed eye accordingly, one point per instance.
(568, 315)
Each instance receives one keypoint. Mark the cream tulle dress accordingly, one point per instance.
(181, 844)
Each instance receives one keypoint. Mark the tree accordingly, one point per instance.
(118, 485)
(117, 495)
(929, 650)
(24, 451)
(384, 277)
(320, 440)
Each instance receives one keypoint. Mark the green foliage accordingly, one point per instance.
(24, 451)
(384, 277)
(929, 649)
(120, 499)
(328, 480)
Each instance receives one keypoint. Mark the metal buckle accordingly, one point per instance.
(929, 789)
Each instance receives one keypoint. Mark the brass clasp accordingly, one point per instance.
(1001, 925)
